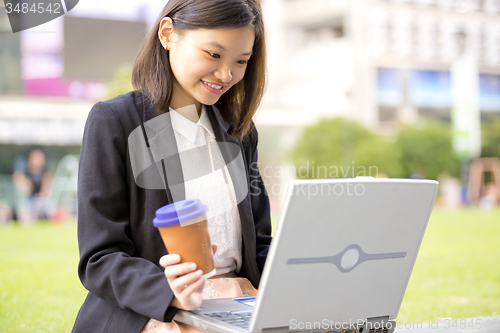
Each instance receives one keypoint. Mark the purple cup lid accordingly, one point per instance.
(179, 212)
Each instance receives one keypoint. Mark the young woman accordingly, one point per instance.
(203, 55)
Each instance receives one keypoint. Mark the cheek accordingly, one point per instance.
(185, 74)
(238, 75)
(185, 66)
(196, 71)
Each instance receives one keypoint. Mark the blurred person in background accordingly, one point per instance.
(35, 181)
(5, 213)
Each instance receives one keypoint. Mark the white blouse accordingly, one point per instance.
(214, 189)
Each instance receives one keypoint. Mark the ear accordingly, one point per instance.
(165, 32)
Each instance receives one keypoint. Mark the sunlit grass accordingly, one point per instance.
(39, 286)
(457, 273)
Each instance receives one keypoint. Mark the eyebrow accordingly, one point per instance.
(222, 48)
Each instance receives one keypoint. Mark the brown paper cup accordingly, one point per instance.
(184, 229)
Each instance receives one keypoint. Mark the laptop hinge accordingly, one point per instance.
(377, 325)
(283, 329)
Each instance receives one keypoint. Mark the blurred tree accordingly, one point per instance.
(427, 148)
(491, 139)
(122, 81)
(341, 148)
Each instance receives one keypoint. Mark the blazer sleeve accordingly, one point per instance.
(260, 202)
(107, 267)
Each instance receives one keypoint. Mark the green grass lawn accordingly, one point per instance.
(457, 273)
(39, 286)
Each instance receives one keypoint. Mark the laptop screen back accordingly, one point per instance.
(343, 251)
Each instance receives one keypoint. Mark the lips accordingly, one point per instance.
(213, 87)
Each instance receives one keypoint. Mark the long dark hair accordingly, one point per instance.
(153, 77)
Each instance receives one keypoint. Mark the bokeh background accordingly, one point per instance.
(383, 88)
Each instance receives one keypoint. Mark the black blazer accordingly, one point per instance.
(119, 247)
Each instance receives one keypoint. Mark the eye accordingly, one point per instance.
(243, 62)
(214, 55)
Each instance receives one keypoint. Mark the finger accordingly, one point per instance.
(191, 288)
(192, 300)
(174, 271)
(170, 259)
(180, 284)
(214, 248)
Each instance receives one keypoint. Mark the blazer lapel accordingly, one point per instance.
(160, 139)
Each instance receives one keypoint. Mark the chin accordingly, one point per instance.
(208, 101)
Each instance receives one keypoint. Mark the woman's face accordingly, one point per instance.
(205, 56)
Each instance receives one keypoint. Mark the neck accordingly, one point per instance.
(189, 112)
(180, 99)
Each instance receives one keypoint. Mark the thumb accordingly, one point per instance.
(214, 248)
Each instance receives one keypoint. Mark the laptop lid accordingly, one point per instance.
(342, 252)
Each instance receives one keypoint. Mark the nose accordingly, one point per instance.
(224, 74)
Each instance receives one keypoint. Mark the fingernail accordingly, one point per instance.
(192, 266)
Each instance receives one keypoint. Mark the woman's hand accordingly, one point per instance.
(185, 281)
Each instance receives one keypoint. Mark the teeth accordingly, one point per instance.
(213, 85)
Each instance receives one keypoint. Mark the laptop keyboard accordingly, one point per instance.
(240, 319)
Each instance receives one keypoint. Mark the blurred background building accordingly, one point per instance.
(381, 63)
(378, 61)
(50, 76)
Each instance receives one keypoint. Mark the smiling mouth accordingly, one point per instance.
(215, 86)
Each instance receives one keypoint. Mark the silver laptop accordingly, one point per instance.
(341, 257)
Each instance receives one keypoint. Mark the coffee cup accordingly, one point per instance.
(184, 229)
